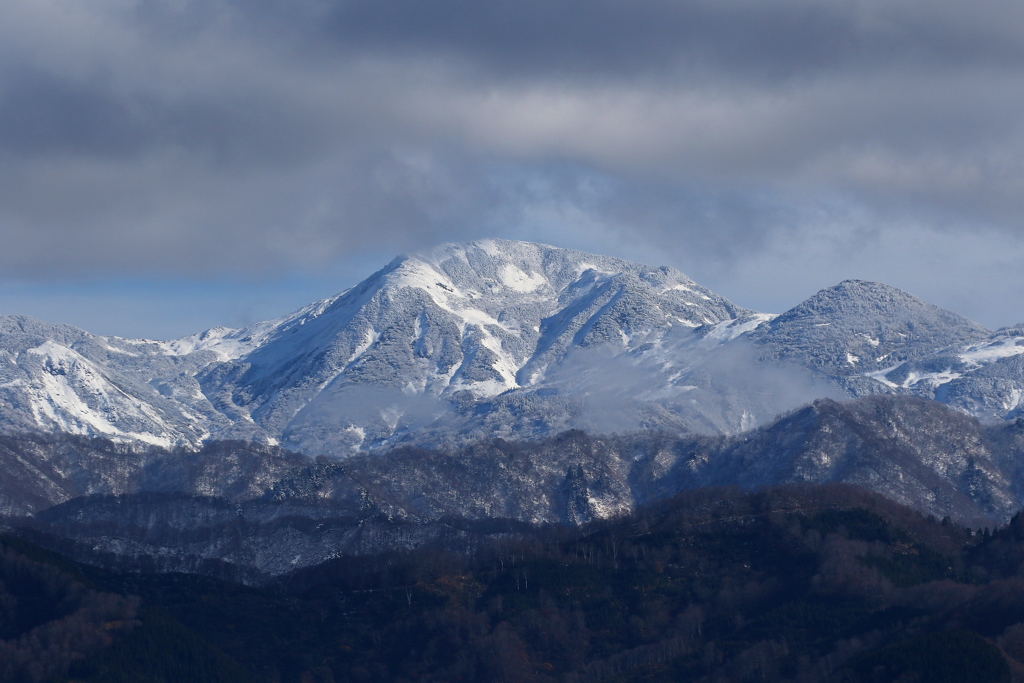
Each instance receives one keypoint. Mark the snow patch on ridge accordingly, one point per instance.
(516, 280)
(727, 330)
(932, 379)
(987, 352)
(686, 288)
(880, 376)
(935, 379)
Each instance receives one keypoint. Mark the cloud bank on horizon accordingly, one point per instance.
(738, 140)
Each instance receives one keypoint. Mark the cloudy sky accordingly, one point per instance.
(169, 165)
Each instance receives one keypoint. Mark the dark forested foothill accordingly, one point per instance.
(798, 583)
(49, 617)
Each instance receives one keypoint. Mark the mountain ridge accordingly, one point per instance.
(266, 510)
(502, 338)
(482, 317)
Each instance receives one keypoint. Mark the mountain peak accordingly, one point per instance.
(853, 300)
(478, 318)
(494, 265)
(857, 327)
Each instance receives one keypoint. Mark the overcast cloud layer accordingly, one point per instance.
(768, 149)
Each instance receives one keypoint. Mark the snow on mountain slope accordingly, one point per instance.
(73, 395)
(461, 322)
(56, 377)
(858, 327)
(502, 338)
(479, 319)
(866, 338)
(984, 378)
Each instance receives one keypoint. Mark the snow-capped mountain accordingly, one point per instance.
(869, 338)
(859, 327)
(501, 338)
(456, 324)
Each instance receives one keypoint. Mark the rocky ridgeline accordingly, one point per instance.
(497, 338)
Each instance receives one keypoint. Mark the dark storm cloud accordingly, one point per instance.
(202, 136)
(613, 37)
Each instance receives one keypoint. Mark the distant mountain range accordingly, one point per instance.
(503, 339)
(485, 414)
(488, 383)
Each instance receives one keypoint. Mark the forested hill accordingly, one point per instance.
(267, 511)
(795, 583)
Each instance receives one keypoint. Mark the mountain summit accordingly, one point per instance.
(859, 326)
(460, 322)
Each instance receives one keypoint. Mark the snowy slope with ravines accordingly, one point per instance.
(500, 338)
(456, 324)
